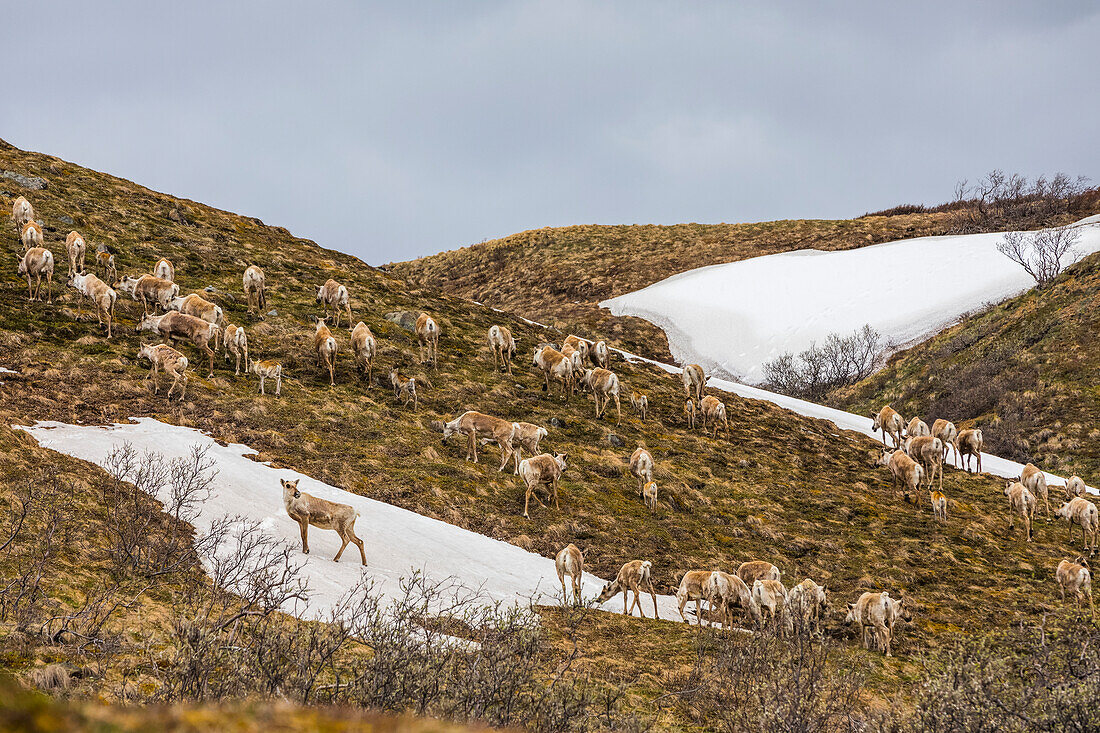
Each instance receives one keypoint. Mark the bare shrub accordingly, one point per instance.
(1040, 253)
(1011, 201)
(253, 576)
(395, 655)
(770, 682)
(839, 362)
(1000, 201)
(1044, 677)
(244, 628)
(37, 530)
(144, 537)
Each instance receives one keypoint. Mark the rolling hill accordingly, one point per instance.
(795, 490)
(560, 275)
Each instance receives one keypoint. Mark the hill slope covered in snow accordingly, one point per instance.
(734, 318)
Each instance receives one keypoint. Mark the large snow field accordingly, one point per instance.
(397, 541)
(732, 318)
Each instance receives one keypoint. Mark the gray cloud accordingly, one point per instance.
(393, 131)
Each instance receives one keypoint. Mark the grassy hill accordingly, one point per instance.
(790, 489)
(1026, 371)
(560, 275)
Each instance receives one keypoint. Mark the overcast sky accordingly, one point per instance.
(401, 129)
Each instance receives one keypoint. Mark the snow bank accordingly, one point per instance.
(732, 318)
(397, 541)
(844, 420)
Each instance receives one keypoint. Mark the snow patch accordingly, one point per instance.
(732, 318)
(397, 541)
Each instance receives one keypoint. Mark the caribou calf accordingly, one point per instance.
(173, 362)
(570, 561)
(690, 412)
(105, 261)
(633, 576)
(268, 369)
(403, 386)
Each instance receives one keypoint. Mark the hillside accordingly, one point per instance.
(793, 490)
(559, 275)
(1025, 371)
(728, 318)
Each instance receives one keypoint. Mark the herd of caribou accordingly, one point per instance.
(917, 453)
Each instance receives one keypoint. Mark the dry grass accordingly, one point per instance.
(26, 711)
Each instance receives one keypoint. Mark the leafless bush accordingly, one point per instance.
(38, 526)
(1000, 201)
(1045, 677)
(1003, 201)
(1040, 253)
(250, 632)
(244, 627)
(496, 674)
(145, 537)
(253, 576)
(770, 682)
(839, 362)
